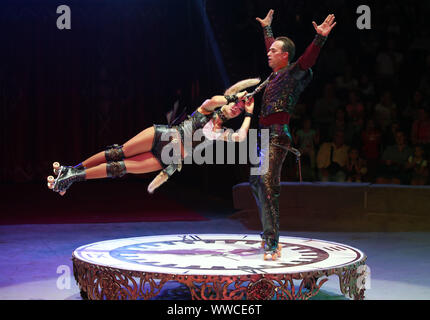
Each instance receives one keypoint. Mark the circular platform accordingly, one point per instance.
(216, 266)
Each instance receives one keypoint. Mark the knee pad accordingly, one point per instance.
(116, 169)
(114, 153)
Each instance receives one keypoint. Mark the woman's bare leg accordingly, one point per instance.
(138, 159)
(141, 143)
(142, 163)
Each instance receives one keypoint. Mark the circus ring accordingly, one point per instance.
(216, 267)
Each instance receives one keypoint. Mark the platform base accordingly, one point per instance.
(243, 275)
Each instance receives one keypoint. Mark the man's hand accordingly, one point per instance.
(325, 28)
(268, 20)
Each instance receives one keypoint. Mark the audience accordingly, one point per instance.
(356, 167)
(307, 140)
(371, 147)
(385, 111)
(393, 162)
(325, 109)
(332, 158)
(369, 100)
(420, 132)
(417, 166)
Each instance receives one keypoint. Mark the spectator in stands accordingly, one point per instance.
(385, 111)
(418, 167)
(307, 140)
(389, 135)
(325, 109)
(353, 132)
(354, 108)
(393, 164)
(338, 123)
(371, 145)
(356, 167)
(366, 89)
(420, 133)
(417, 102)
(388, 64)
(332, 158)
(355, 119)
(346, 81)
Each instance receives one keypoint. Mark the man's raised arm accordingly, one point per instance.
(266, 23)
(309, 58)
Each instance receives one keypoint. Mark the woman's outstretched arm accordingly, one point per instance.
(217, 101)
(240, 135)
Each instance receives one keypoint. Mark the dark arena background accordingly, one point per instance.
(66, 94)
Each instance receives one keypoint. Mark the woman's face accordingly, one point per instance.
(232, 110)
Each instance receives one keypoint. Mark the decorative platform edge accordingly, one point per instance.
(106, 283)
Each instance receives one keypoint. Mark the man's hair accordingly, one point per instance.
(288, 46)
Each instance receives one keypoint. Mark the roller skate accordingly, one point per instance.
(65, 177)
(272, 252)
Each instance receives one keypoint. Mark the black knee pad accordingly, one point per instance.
(114, 153)
(116, 169)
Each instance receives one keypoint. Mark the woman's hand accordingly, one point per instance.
(240, 95)
(249, 105)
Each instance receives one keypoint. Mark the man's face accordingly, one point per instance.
(277, 58)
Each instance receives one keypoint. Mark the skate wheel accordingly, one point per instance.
(51, 181)
(56, 167)
(274, 257)
(266, 256)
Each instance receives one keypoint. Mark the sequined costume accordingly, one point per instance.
(185, 129)
(279, 100)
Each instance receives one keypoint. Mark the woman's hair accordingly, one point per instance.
(242, 85)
